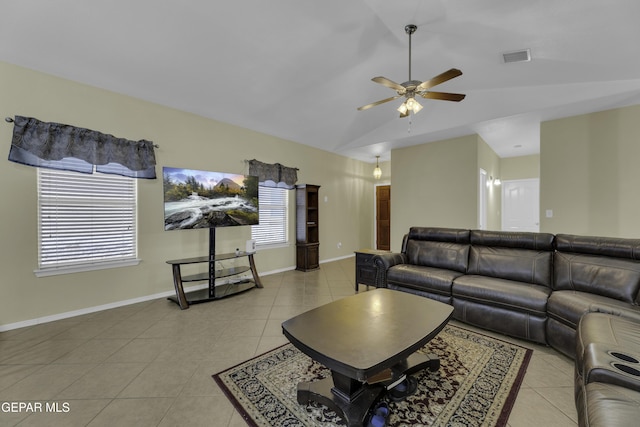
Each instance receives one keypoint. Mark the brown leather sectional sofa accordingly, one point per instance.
(577, 294)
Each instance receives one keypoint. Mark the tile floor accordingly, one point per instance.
(150, 364)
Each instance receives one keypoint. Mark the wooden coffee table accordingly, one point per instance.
(365, 339)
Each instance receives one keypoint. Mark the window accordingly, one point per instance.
(272, 230)
(85, 221)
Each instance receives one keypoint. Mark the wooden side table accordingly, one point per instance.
(365, 270)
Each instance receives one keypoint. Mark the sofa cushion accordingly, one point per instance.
(450, 256)
(497, 292)
(606, 405)
(511, 239)
(435, 280)
(600, 275)
(439, 234)
(506, 320)
(523, 265)
(568, 307)
(604, 246)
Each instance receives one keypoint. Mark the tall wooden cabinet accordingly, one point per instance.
(307, 232)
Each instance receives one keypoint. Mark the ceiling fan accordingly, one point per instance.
(411, 88)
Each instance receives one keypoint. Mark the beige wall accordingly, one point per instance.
(522, 167)
(489, 161)
(589, 174)
(587, 169)
(185, 140)
(434, 184)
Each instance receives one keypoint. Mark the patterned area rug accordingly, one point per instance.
(476, 385)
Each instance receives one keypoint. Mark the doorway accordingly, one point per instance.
(482, 200)
(383, 217)
(521, 205)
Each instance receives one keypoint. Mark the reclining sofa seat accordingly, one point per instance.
(431, 259)
(607, 375)
(599, 274)
(507, 284)
(495, 280)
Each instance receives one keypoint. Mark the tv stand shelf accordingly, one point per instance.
(225, 272)
(213, 292)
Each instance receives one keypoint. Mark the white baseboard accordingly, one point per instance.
(337, 259)
(89, 310)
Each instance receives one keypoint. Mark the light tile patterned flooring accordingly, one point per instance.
(150, 364)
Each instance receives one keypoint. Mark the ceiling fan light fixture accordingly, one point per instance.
(411, 88)
(408, 106)
(414, 105)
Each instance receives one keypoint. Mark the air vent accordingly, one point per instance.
(517, 56)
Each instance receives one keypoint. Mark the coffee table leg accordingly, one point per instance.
(415, 363)
(349, 398)
(419, 361)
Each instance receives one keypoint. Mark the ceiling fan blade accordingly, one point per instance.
(457, 97)
(373, 104)
(440, 78)
(389, 83)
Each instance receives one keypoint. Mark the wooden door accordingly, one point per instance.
(383, 217)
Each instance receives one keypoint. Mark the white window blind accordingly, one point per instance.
(85, 218)
(273, 205)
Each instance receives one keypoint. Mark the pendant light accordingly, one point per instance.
(377, 172)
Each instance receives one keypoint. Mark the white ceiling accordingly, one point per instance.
(298, 69)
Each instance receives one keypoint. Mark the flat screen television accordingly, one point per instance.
(204, 199)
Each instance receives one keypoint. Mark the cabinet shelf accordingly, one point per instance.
(307, 228)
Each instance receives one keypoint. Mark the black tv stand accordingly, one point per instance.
(212, 292)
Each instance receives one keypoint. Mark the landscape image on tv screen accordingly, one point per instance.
(203, 199)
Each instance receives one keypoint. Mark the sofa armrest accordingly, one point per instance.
(628, 313)
(385, 261)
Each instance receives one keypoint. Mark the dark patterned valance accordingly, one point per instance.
(59, 146)
(273, 175)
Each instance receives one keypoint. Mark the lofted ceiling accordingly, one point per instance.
(298, 69)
